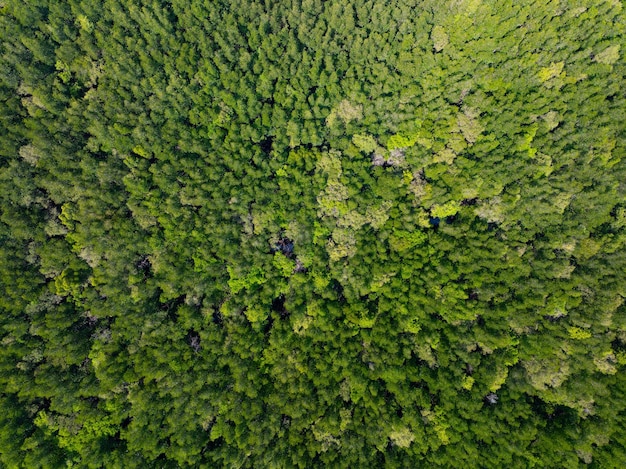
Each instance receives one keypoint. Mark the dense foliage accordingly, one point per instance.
(306, 233)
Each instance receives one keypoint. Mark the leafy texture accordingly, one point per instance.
(312, 234)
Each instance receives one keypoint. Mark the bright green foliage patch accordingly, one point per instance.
(365, 143)
(608, 56)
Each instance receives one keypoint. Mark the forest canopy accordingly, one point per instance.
(342, 233)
